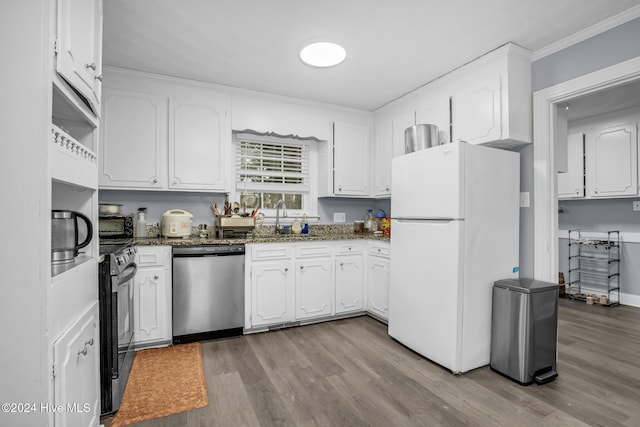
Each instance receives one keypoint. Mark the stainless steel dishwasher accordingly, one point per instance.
(208, 292)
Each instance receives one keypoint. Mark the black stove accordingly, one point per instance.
(115, 294)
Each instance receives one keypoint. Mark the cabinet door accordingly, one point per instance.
(152, 306)
(134, 140)
(79, 47)
(612, 161)
(349, 283)
(76, 357)
(400, 123)
(314, 288)
(571, 182)
(476, 111)
(378, 286)
(384, 152)
(199, 133)
(272, 292)
(351, 144)
(436, 113)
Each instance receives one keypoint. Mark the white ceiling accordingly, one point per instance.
(393, 46)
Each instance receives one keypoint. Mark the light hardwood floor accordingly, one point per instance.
(351, 373)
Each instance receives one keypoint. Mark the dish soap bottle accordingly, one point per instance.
(305, 224)
(295, 227)
(368, 221)
(141, 224)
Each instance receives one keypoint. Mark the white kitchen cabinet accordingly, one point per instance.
(164, 134)
(491, 99)
(134, 140)
(272, 292)
(76, 373)
(476, 110)
(314, 288)
(199, 135)
(79, 47)
(435, 111)
(152, 297)
(378, 279)
(349, 277)
(351, 147)
(612, 161)
(571, 182)
(383, 154)
(400, 123)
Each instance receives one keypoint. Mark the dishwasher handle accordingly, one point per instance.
(211, 250)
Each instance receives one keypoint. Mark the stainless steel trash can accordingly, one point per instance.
(524, 330)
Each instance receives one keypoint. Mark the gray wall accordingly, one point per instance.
(599, 215)
(611, 47)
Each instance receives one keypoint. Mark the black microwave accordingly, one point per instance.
(115, 226)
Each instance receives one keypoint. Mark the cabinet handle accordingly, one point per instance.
(99, 78)
(387, 188)
(83, 351)
(90, 342)
(342, 264)
(154, 180)
(349, 248)
(302, 267)
(339, 188)
(155, 277)
(175, 180)
(286, 269)
(91, 66)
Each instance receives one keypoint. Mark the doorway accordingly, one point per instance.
(548, 126)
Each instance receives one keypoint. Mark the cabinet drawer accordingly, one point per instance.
(313, 250)
(349, 248)
(153, 255)
(266, 252)
(379, 250)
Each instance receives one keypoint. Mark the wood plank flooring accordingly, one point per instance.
(351, 373)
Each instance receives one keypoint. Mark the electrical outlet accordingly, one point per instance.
(339, 217)
(524, 199)
(636, 205)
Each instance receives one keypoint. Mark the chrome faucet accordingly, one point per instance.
(284, 214)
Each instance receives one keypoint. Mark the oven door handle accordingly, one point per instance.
(127, 273)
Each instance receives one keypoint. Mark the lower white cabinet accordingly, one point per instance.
(152, 297)
(272, 288)
(314, 288)
(76, 356)
(307, 281)
(378, 279)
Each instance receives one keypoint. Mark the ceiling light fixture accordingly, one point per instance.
(323, 54)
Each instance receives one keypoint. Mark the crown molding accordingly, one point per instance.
(602, 26)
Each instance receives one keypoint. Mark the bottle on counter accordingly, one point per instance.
(368, 221)
(305, 224)
(141, 224)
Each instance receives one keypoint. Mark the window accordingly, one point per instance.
(270, 168)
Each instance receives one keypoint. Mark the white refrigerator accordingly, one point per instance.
(454, 232)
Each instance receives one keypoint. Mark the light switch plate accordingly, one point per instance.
(636, 205)
(339, 217)
(524, 199)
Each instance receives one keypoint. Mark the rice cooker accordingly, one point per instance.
(176, 223)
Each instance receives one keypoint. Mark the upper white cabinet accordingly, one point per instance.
(612, 161)
(571, 182)
(491, 98)
(134, 140)
(162, 133)
(79, 47)
(350, 144)
(435, 110)
(383, 155)
(199, 133)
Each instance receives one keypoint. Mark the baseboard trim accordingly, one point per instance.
(630, 299)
